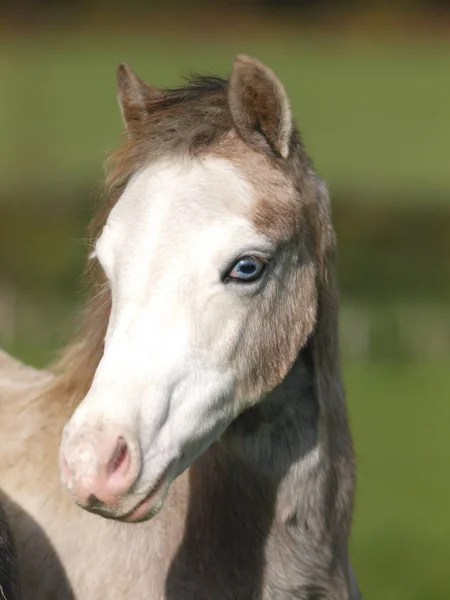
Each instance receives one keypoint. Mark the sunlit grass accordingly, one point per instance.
(400, 416)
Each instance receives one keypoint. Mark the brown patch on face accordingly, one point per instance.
(279, 327)
(283, 315)
(277, 211)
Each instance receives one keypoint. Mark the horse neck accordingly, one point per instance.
(279, 440)
(260, 496)
(300, 450)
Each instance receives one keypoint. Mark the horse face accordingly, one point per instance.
(212, 265)
(185, 266)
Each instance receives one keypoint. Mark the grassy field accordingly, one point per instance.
(376, 120)
(375, 117)
(400, 416)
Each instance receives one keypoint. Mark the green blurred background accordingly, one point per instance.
(370, 89)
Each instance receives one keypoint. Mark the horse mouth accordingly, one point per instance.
(145, 509)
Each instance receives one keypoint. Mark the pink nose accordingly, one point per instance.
(99, 467)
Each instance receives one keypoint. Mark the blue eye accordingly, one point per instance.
(247, 269)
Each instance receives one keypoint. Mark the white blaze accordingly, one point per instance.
(166, 373)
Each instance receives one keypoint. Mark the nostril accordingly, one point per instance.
(101, 468)
(119, 457)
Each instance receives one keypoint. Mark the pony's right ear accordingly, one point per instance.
(134, 96)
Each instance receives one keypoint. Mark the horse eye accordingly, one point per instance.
(247, 269)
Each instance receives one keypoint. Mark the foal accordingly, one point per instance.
(205, 378)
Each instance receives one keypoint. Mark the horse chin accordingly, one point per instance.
(142, 511)
(148, 508)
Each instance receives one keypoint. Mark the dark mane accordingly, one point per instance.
(192, 117)
(182, 120)
(196, 87)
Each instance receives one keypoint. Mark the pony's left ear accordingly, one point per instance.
(259, 106)
(134, 96)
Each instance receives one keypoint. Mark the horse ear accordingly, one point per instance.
(134, 96)
(259, 105)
